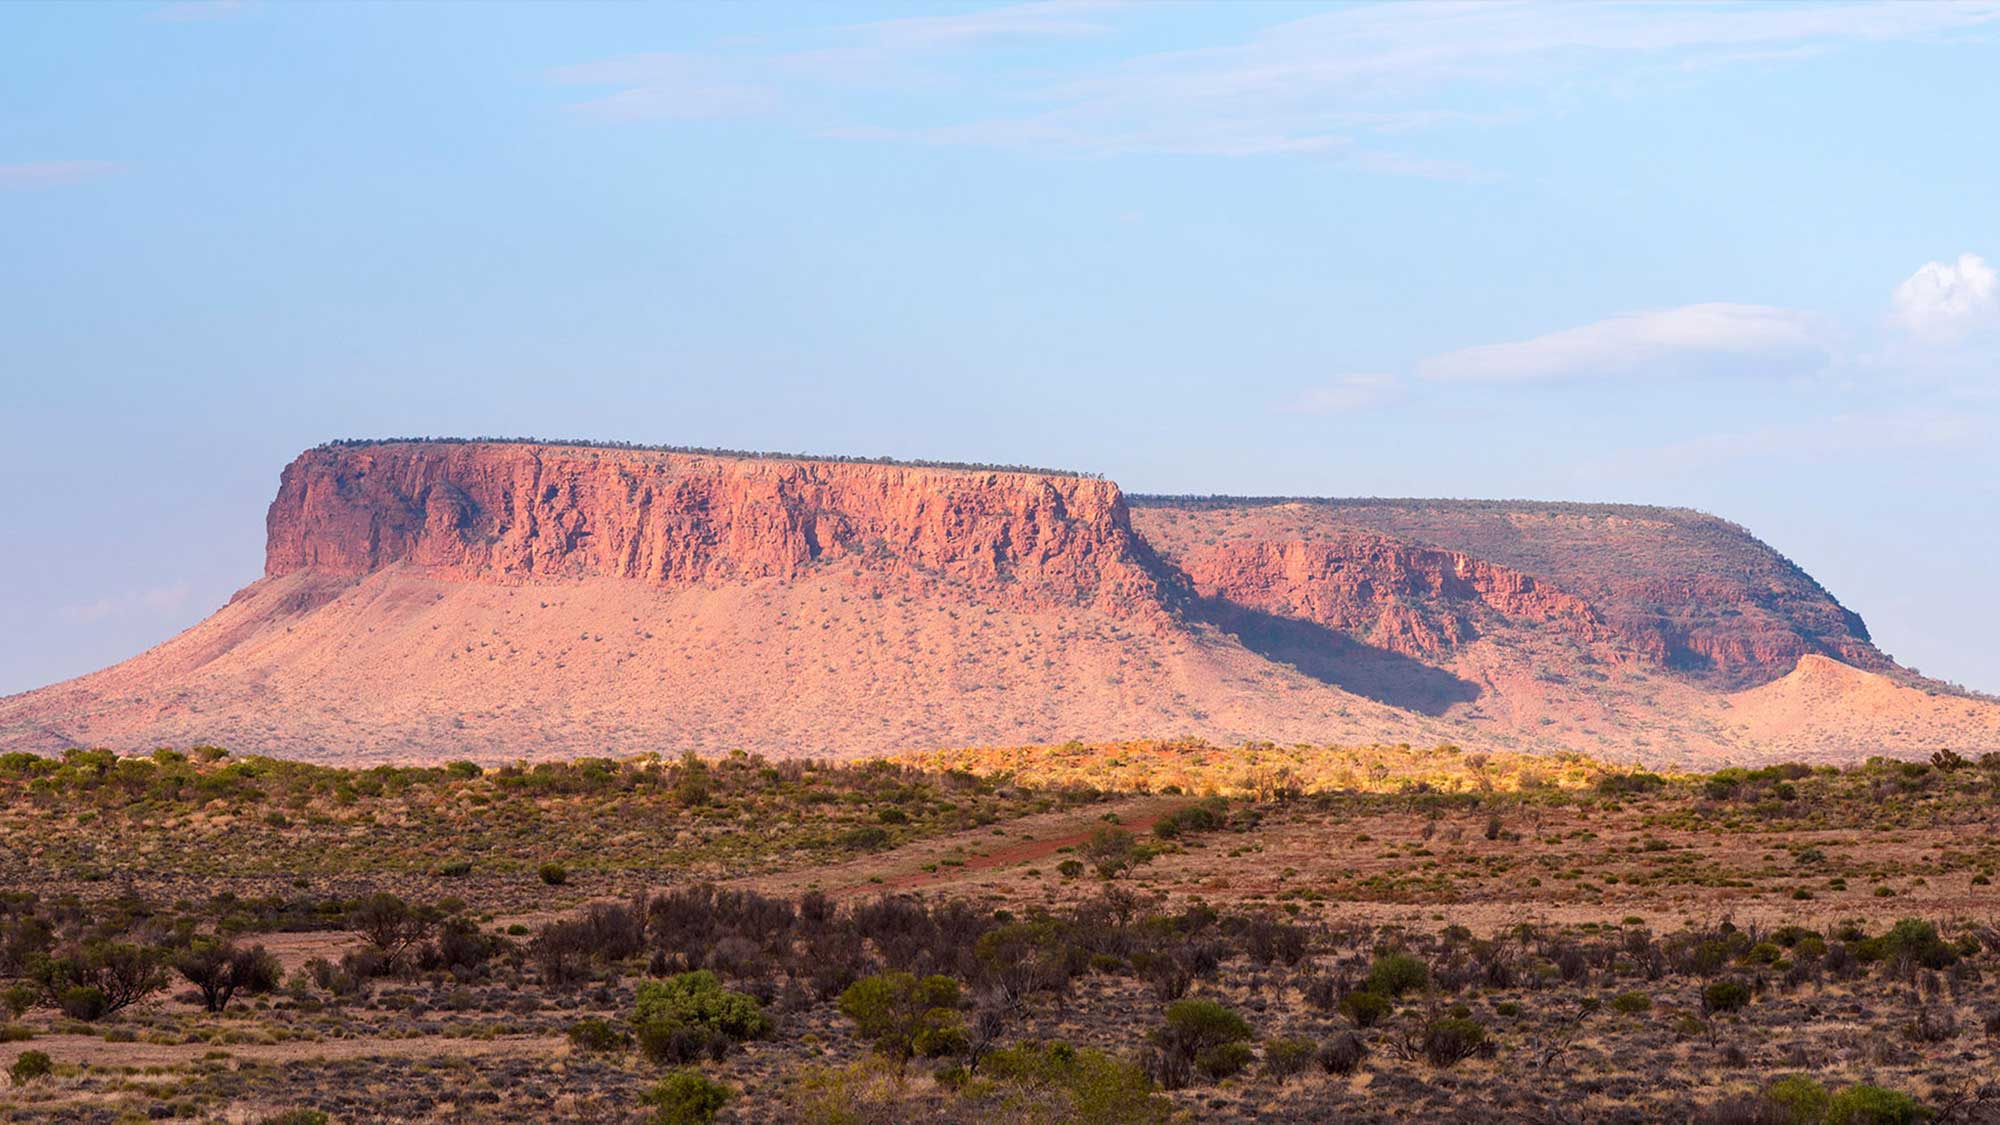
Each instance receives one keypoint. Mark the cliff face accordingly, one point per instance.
(1418, 601)
(1673, 589)
(511, 513)
(1745, 632)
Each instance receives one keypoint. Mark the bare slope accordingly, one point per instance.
(401, 664)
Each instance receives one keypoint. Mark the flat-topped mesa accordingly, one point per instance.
(510, 513)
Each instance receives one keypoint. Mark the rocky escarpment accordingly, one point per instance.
(1418, 601)
(503, 512)
(1671, 588)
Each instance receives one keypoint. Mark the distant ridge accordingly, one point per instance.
(517, 598)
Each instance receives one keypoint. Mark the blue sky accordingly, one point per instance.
(1732, 257)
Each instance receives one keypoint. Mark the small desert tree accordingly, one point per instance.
(390, 924)
(1112, 851)
(99, 978)
(220, 969)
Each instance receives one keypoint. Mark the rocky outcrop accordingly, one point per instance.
(1665, 587)
(1738, 631)
(509, 513)
(1417, 601)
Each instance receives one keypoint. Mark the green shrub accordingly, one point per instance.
(456, 869)
(83, 1002)
(14, 1033)
(1223, 1060)
(592, 1034)
(864, 838)
(1448, 1041)
(554, 874)
(1872, 1105)
(903, 1017)
(1366, 1009)
(1632, 1003)
(1206, 1021)
(1796, 1100)
(686, 1097)
(1093, 1087)
(18, 998)
(296, 1117)
(1910, 939)
(1205, 817)
(1727, 995)
(1618, 784)
(1287, 1058)
(1396, 973)
(30, 1066)
(682, 1018)
(1195, 1029)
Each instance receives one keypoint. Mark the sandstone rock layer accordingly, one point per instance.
(514, 513)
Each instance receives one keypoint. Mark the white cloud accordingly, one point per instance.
(1945, 302)
(1348, 393)
(48, 173)
(1707, 339)
(156, 602)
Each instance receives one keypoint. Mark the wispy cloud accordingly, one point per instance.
(50, 173)
(1349, 393)
(1335, 84)
(156, 602)
(1841, 436)
(671, 86)
(883, 54)
(1707, 339)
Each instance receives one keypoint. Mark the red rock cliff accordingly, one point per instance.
(516, 512)
(1679, 589)
(1416, 600)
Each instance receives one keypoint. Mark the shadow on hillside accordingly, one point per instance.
(1333, 657)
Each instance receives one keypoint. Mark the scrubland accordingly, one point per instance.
(1129, 933)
